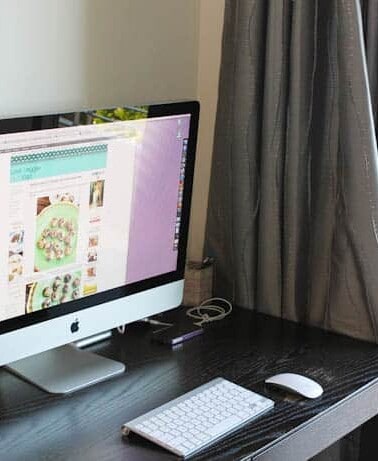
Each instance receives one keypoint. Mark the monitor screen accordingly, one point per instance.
(95, 206)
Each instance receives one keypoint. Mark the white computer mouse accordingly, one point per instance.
(297, 384)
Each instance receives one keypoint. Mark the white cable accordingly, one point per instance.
(202, 313)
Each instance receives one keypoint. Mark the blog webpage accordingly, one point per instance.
(87, 210)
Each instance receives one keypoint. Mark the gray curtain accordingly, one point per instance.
(293, 207)
(370, 28)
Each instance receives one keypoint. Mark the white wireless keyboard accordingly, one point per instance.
(198, 418)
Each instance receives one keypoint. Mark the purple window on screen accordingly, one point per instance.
(155, 196)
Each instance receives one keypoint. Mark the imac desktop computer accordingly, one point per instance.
(95, 213)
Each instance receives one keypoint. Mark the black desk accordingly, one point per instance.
(245, 348)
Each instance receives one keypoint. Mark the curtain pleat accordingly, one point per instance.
(370, 27)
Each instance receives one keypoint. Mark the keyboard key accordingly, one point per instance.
(224, 426)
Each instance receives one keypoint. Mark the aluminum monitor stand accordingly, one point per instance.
(65, 369)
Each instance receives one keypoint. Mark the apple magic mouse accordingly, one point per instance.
(296, 384)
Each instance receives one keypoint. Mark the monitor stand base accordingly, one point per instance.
(65, 369)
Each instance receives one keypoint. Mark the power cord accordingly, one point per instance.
(204, 313)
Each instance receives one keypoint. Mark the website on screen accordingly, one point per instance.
(87, 209)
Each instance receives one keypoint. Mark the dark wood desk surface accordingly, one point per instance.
(245, 348)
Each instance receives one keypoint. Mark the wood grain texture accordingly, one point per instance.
(245, 348)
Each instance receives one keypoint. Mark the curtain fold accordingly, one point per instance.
(370, 27)
(292, 219)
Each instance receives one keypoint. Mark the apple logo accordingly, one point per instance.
(75, 326)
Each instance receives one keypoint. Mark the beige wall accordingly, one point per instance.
(65, 54)
(209, 51)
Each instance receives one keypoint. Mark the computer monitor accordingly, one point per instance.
(95, 214)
